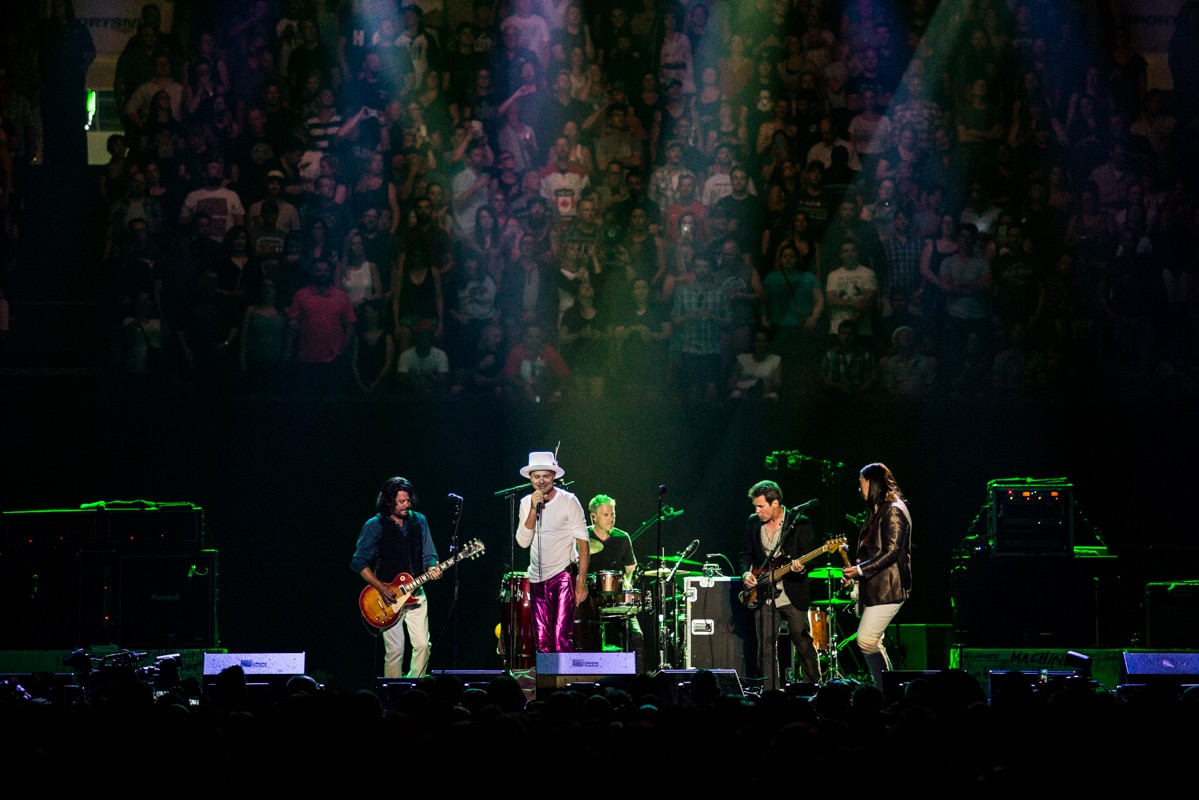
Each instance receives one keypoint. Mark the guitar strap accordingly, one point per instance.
(864, 538)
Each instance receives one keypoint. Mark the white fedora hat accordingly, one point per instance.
(542, 460)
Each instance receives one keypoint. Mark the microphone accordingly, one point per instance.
(690, 548)
(661, 490)
(540, 508)
(453, 496)
(810, 504)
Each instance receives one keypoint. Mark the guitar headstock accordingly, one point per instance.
(832, 545)
(472, 549)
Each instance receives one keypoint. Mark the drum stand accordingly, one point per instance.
(830, 660)
(833, 672)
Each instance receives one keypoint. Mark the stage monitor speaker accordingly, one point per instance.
(895, 681)
(256, 663)
(262, 691)
(1160, 667)
(471, 677)
(390, 690)
(168, 601)
(675, 685)
(801, 689)
(719, 627)
(1018, 687)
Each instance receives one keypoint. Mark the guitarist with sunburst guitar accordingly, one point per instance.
(776, 536)
(396, 541)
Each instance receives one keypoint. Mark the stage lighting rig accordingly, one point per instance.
(792, 458)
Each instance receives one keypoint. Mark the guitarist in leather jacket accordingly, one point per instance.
(883, 567)
(396, 540)
(774, 535)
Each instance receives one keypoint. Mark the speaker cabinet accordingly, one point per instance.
(61, 576)
(168, 601)
(1025, 602)
(53, 578)
(919, 647)
(675, 685)
(1170, 612)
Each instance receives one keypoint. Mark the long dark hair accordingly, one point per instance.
(386, 501)
(883, 488)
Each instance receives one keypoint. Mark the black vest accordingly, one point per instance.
(399, 549)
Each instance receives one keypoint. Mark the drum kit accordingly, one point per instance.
(613, 598)
(610, 600)
(822, 623)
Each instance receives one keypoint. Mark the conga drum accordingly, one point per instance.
(516, 615)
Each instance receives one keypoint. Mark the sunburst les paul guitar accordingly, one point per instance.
(767, 575)
(382, 614)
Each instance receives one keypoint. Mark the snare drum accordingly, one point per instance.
(625, 603)
(606, 585)
(818, 627)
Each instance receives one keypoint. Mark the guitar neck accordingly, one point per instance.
(423, 579)
(780, 572)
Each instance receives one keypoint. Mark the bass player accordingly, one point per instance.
(773, 536)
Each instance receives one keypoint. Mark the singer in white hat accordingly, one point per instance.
(552, 522)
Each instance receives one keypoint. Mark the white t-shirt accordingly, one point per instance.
(553, 543)
(435, 363)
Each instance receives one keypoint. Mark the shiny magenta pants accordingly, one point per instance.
(554, 612)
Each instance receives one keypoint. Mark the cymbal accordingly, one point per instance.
(825, 572)
(594, 546)
(664, 572)
(677, 560)
(836, 601)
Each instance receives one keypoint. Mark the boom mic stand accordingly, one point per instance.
(510, 494)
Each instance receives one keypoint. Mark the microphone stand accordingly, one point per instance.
(660, 588)
(454, 548)
(514, 602)
(664, 513)
(686, 552)
(794, 515)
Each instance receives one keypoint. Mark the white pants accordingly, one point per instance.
(416, 620)
(873, 625)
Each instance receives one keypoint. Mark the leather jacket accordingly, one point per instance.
(885, 559)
